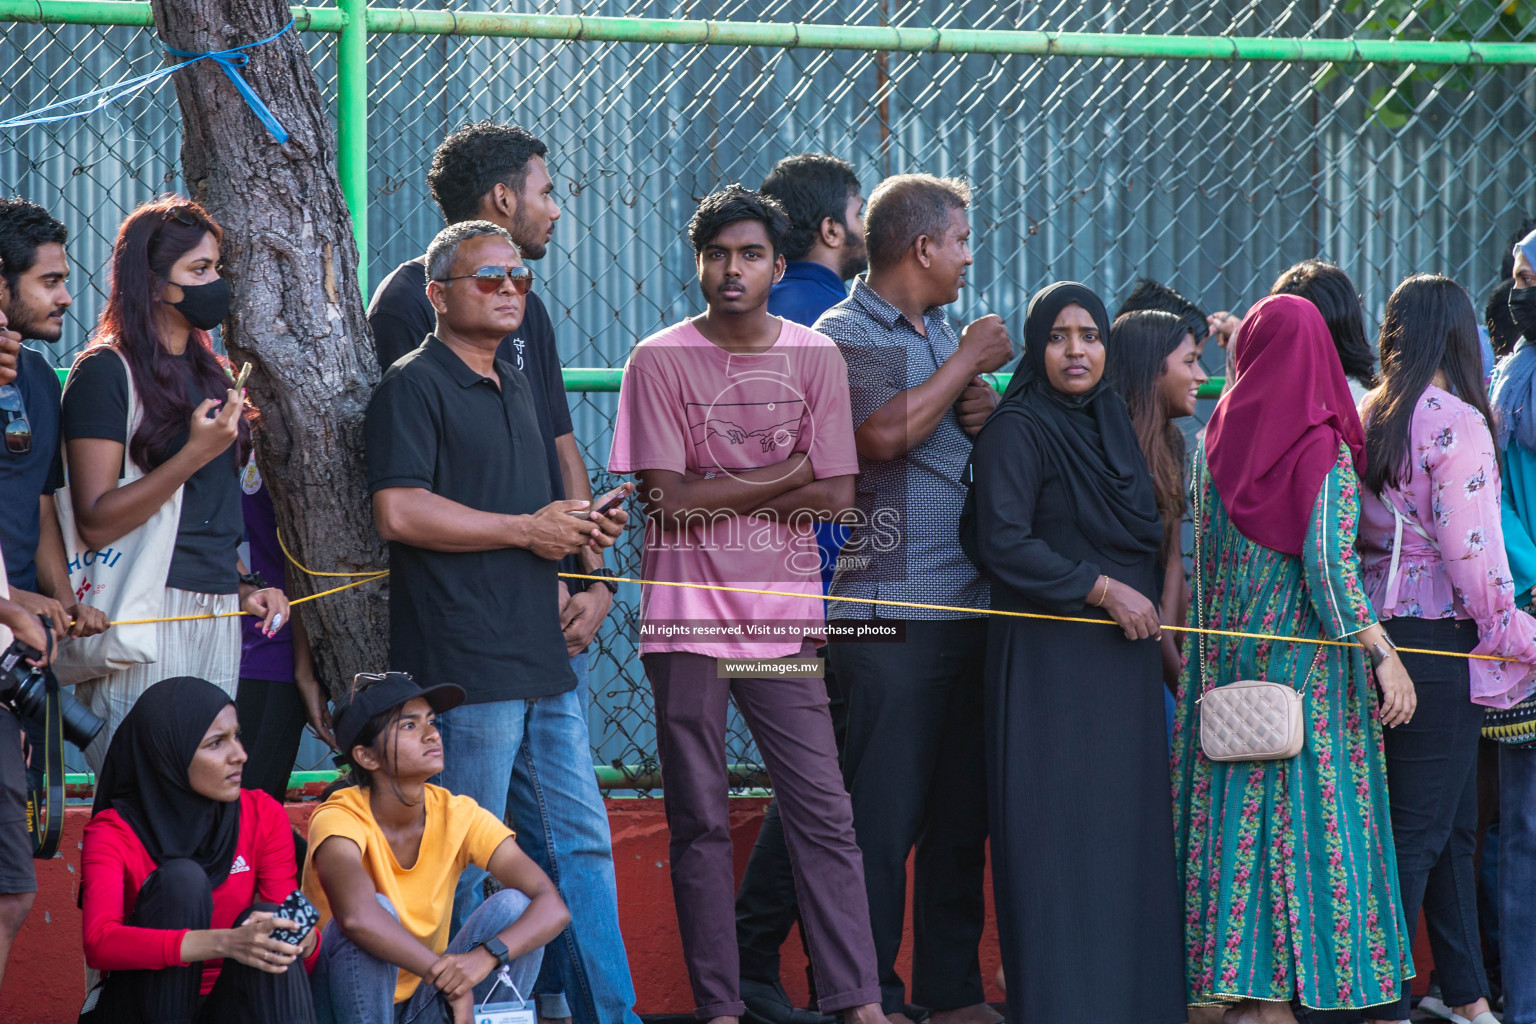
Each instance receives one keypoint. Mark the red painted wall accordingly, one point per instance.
(45, 980)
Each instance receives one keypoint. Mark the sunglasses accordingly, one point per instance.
(182, 215)
(489, 279)
(18, 429)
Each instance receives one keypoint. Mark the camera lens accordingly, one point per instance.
(80, 725)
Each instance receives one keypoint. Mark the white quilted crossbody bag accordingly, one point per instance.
(1250, 719)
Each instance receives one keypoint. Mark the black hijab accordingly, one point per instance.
(1087, 439)
(145, 780)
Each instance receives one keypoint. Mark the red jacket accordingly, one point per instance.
(114, 864)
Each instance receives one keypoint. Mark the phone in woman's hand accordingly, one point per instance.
(298, 909)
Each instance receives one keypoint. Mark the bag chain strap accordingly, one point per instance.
(1199, 487)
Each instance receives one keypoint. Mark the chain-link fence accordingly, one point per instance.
(1211, 175)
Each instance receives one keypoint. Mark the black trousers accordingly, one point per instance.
(915, 765)
(177, 895)
(766, 907)
(1432, 779)
(272, 721)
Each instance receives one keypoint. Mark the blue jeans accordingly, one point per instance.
(352, 986)
(530, 762)
(1517, 881)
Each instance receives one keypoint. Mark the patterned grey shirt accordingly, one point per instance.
(906, 544)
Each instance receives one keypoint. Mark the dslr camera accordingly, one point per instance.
(25, 687)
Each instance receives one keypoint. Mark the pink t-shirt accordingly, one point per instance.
(689, 406)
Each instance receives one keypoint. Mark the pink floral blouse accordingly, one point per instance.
(1453, 496)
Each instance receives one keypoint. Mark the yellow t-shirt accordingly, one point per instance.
(458, 832)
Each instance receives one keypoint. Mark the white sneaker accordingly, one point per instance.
(1486, 1017)
(1435, 1007)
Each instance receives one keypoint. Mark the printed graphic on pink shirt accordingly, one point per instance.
(744, 435)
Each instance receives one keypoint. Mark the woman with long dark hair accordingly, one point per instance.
(152, 344)
(1330, 289)
(1154, 364)
(386, 849)
(1288, 870)
(1433, 563)
(1065, 522)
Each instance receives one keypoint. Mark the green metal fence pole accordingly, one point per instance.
(136, 14)
(352, 126)
(353, 16)
(918, 38)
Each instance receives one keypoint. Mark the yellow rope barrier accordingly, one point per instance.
(368, 577)
(231, 615)
(1017, 615)
(371, 575)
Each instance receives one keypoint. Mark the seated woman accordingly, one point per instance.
(181, 872)
(385, 854)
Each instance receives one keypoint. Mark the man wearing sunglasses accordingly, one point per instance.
(34, 297)
(463, 495)
(497, 173)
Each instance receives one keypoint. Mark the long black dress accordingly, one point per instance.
(1088, 910)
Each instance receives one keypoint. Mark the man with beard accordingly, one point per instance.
(497, 173)
(823, 248)
(34, 296)
(33, 299)
(825, 244)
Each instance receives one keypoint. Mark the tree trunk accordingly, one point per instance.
(297, 316)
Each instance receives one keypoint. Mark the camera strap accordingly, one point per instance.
(45, 807)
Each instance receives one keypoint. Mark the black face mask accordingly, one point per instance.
(204, 305)
(1522, 306)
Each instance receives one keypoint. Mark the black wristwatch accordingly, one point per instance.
(607, 580)
(253, 579)
(497, 949)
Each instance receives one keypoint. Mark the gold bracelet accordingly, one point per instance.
(1100, 602)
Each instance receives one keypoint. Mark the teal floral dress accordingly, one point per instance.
(1288, 870)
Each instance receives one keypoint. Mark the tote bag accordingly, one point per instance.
(125, 579)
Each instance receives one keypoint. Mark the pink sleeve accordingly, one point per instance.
(111, 945)
(1464, 477)
(832, 447)
(650, 429)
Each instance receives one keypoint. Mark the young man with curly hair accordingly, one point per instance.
(497, 173)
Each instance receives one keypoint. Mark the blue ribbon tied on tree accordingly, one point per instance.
(229, 61)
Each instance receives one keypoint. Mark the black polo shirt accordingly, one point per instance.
(487, 620)
(401, 316)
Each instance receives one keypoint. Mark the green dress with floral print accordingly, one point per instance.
(1288, 870)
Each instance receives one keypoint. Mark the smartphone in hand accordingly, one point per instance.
(298, 909)
(609, 501)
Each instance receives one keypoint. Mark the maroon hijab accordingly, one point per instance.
(1276, 432)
